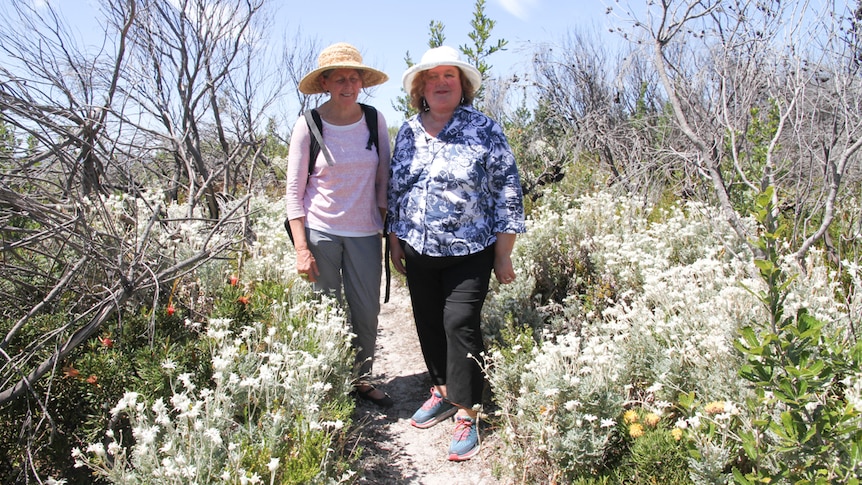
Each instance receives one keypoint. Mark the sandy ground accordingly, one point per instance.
(394, 452)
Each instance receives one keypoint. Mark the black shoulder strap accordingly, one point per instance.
(371, 121)
(373, 139)
(315, 147)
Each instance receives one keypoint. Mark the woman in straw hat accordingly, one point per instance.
(336, 211)
(455, 207)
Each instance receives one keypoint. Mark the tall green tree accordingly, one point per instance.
(476, 54)
(436, 38)
(482, 46)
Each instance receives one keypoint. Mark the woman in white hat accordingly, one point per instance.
(335, 208)
(455, 207)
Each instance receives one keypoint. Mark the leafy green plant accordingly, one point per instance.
(802, 427)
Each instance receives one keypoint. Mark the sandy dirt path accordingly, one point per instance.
(394, 452)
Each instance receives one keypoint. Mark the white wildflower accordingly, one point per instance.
(572, 405)
(654, 388)
(551, 392)
(146, 435)
(166, 448)
(337, 424)
(189, 471)
(128, 400)
(186, 379)
(662, 405)
(114, 448)
(97, 449)
(694, 421)
(214, 436)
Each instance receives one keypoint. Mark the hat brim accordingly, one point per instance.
(310, 83)
(473, 75)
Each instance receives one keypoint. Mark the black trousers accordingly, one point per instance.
(447, 295)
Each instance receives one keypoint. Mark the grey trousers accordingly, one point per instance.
(354, 264)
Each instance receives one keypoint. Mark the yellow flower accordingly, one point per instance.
(715, 407)
(630, 416)
(636, 430)
(676, 433)
(651, 420)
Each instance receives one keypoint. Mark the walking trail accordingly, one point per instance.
(394, 452)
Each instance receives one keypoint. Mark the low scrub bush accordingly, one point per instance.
(668, 323)
(275, 409)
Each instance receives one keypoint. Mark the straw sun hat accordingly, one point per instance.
(340, 56)
(442, 56)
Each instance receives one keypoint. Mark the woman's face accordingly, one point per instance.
(343, 85)
(442, 88)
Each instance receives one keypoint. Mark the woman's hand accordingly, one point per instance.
(396, 254)
(306, 265)
(503, 269)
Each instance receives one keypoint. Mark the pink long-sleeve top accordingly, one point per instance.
(344, 199)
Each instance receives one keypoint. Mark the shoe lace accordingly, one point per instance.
(462, 428)
(432, 402)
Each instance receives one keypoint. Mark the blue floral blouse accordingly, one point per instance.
(451, 195)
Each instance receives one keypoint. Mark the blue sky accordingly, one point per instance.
(384, 31)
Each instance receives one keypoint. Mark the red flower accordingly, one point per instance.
(107, 342)
(92, 379)
(243, 300)
(71, 372)
(171, 310)
(234, 280)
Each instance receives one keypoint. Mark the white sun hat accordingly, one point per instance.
(338, 56)
(442, 56)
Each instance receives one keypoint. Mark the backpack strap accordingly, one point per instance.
(371, 121)
(373, 139)
(315, 126)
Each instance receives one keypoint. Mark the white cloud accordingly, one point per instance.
(518, 8)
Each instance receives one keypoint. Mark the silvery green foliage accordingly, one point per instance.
(709, 469)
(651, 306)
(271, 254)
(663, 324)
(269, 382)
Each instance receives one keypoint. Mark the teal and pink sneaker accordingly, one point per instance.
(465, 441)
(434, 410)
